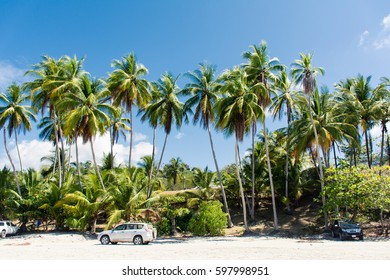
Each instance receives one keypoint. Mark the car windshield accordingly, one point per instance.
(348, 225)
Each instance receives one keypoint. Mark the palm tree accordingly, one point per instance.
(303, 72)
(119, 125)
(89, 114)
(204, 95)
(285, 99)
(236, 113)
(384, 99)
(167, 109)
(174, 169)
(128, 88)
(263, 70)
(16, 117)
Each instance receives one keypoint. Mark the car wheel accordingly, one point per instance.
(105, 240)
(3, 234)
(138, 240)
(333, 234)
(361, 237)
(341, 236)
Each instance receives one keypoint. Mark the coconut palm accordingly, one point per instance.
(384, 99)
(263, 70)
(89, 114)
(303, 72)
(174, 170)
(283, 103)
(119, 125)
(129, 88)
(167, 109)
(14, 117)
(236, 113)
(204, 95)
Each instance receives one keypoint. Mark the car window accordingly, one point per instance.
(1, 223)
(120, 227)
(130, 226)
(139, 226)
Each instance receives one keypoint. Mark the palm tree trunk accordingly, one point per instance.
(388, 148)
(241, 188)
(334, 154)
(150, 189)
(230, 223)
(252, 209)
(77, 160)
(382, 142)
(62, 153)
(276, 226)
(367, 149)
(12, 163)
(57, 149)
(286, 166)
(319, 162)
(96, 166)
(162, 154)
(131, 136)
(17, 148)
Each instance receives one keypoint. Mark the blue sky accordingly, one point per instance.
(346, 37)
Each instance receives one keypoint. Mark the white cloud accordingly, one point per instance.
(363, 37)
(386, 22)
(139, 137)
(32, 152)
(179, 136)
(9, 74)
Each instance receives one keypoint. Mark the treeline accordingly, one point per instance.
(281, 164)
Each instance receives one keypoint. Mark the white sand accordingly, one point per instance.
(57, 246)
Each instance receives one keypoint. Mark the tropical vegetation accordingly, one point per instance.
(325, 152)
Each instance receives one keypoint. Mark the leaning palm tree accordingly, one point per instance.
(282, 103)
(383, 98)
(303, 72)
(262, 70)
(128, 87)
(15, 116)
(168, 109)
(204, 95)
(235, 114)
(119, 125)
(89, 114)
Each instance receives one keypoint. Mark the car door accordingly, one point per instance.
(131, 228)
(118, 234)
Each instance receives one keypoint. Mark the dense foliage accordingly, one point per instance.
(281, 165)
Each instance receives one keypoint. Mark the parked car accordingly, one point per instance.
(346, 229)
(6, 228)
(138, 233)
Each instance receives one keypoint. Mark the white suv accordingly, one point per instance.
(6, 227)
(138, 233)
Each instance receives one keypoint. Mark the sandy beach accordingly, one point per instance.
(75, 246)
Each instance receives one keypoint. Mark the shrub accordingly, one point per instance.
(210, 219)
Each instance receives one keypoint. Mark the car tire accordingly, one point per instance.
(114, 243)
(146, 243)
(341, 236)
(138, 240)
(3, 234)
(105, 240)
(361, 237)
(333, 234)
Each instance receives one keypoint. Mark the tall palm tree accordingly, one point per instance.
(204, 95)
(236, 113)
(89, 114)
(167, 108)
(303, 72)
(128, 87)
(16, 116)
(44, 97)
(283, 103)
(384, 98)
(263, 70)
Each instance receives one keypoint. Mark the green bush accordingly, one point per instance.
(210, 219)
(163, 226)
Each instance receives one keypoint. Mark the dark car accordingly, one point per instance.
(345, 229)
